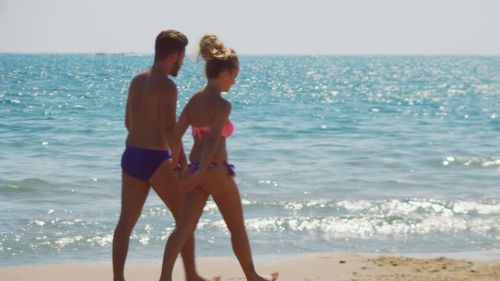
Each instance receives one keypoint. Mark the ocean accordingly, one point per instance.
(365, 154)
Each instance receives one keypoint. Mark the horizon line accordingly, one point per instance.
(255, 54)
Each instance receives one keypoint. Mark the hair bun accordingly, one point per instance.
(212, 48)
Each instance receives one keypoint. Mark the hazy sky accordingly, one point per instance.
(255, 26)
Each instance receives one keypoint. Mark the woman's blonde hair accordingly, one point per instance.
(217, 56)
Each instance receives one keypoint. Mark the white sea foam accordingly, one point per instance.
(64, 241)
(368, 219)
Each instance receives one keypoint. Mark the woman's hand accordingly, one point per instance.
(191, 182)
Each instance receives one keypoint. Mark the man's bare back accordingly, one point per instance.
(150, 113)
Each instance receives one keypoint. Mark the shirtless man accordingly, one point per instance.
(150, 119)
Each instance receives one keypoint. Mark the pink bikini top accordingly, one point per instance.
(227, 131)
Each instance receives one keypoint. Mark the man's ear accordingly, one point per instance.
(173, 57)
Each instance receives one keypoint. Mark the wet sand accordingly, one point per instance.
(309, 267)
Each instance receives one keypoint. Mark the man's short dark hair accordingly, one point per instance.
(169, 42)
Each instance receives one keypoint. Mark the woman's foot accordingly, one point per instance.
(272, 277)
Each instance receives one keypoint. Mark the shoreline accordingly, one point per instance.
(302, 267)
(483, 256)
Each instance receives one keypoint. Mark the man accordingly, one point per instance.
(150, 119)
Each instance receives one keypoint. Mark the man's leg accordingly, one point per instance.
(134, 194)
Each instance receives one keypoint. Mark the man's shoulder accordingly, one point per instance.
(156, 82)
(139, 77)
(165, 84)
(169, 83)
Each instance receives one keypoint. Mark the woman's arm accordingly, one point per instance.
(209, 148)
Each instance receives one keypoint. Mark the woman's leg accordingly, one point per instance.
(227, 197)
(192, 208)
(134, 193)
(166, 183)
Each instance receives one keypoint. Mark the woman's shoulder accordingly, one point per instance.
(225, 105)
(194, 98)
(192, 102)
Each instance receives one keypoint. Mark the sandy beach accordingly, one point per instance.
(331, 267)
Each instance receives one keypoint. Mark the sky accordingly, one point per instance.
(262, 27)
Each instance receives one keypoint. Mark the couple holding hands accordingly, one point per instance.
(154, 155)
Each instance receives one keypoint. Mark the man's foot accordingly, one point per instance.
(199, 278)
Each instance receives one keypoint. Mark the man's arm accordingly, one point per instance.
(179, 131)
(127, 117)
(182, 157)
(168, 107)
(127, 106)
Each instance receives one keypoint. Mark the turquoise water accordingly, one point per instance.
(341, 154)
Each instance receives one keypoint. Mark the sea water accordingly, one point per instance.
(367, 154)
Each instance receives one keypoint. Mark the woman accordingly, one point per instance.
(209, 172)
